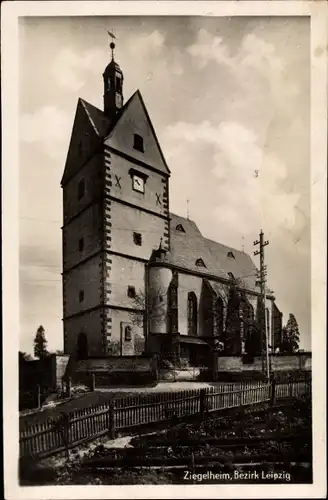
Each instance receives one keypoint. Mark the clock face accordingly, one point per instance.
(138, 184)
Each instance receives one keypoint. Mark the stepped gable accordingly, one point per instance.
(188, 245)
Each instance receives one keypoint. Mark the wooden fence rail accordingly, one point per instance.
(53, 436)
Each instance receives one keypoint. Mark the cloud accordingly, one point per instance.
(69, 69)
(255, 61)
(47, 126)
(248, 178)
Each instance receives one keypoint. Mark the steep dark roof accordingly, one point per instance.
(188, 246)
(103, 126)
(99, 120)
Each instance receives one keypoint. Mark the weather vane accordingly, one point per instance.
(112, 44)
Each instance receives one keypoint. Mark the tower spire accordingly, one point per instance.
(112, 44)
(113, 84)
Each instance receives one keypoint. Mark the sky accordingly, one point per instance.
(230, 102)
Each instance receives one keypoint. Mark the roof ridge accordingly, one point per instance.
(224, 245)
(85, 104)
(119, 114)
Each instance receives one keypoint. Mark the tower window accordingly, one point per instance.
(81, 296)
(81, 244)
(138, 143)
(118, 84)
(131, 292)
(231, 255)
(137, 239)
(200, 263)
(192, 314)
(80, 189)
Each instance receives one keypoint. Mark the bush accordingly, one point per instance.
(33, 472)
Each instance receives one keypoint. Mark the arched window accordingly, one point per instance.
(172, 303)
(82, 346)
(192, 314)
(219, 308)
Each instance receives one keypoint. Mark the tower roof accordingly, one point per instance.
(113, 65)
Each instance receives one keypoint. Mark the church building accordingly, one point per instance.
(137, 278)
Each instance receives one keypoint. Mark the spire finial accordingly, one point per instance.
(160, 243)
(188, 214)
(112, 44)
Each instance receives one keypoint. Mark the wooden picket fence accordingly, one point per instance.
(48, 438)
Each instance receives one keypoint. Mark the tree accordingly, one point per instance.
(23, 356)
(151, 307)
(239, 317)
(40, 344)
(290, 335)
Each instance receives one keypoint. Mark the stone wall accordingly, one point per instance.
(112, 370)
(279, 362)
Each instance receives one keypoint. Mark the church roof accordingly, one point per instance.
(97, 118)
(189, 249)
(135, 107)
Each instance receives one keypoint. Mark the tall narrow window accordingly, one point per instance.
(173, 308)
(82, 346)
(118, 84)
(80, 189)
(192, 314)
(219, 308)
(81, 244)
(81, 296)
(138, 143)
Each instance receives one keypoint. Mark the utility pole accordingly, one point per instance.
(262, 277)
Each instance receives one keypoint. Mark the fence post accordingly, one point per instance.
(202, 402)
(38, 389)
(111, 420)
(93, 382)
(290, 386)
(272, 389)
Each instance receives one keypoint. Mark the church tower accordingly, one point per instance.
(115, 213)
(113, 87)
